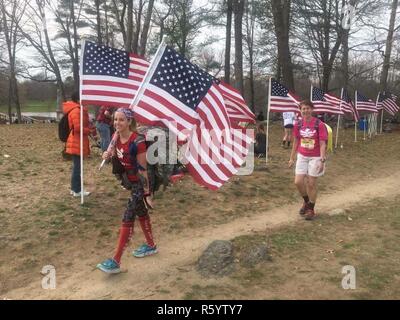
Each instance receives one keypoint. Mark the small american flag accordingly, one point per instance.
(325, 103)
(188, 100)
(348, 106)
(110, 76)
(364, 104)
(389, 103)
(282, 100)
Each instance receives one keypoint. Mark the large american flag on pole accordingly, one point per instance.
(348, 106)
(237, 108)
(281, 99)
(324, 102)
(110, 76)
(181, 96)
(389, 103)
(365, 104)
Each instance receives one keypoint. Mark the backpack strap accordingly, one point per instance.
(133, 149)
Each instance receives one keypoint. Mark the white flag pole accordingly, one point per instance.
(81, 117)
(268, 111)
(355, 120)
(338, 122)
(149, 73)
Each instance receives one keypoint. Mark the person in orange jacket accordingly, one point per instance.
(73, 147)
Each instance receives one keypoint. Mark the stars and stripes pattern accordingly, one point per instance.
(110, 76)
(364, 104)
(389, 103)
(325, 103)
(281, 99)
(237, 108)
(379, 101)
(190, 103)
(348, 106)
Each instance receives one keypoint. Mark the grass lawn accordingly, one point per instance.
(33, 106)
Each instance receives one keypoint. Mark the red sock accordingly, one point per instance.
(125, 234)
(146, 227)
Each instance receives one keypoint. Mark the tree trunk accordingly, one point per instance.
(227, 77)
(74, 51)
(51, 57)
(388, 50)
(345, 58)
(98, 22)
(107, 34)
(238, 10)
(146, 27)
(10, 35)
(135, 41)
(129, 27)
(281, 14)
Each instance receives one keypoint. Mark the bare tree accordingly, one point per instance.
(323, 30)
(12, 11)
(238, 11)
(229, 10)
(281, 11)
(389, 45)
(250, 20)
(35, 31)
(146, 27)
(69, 19)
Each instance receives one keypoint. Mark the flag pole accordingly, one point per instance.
(146, 79)
(355, 119)
(268, 111)
(338, 122)
(81, 118)
(381, 121)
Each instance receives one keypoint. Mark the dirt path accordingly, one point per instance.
(178, 254)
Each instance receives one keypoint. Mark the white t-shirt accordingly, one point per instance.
(288, 118)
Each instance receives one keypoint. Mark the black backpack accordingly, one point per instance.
(63, 128)
(158, 174)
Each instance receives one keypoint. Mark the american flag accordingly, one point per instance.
(348, 106)
(325, 103)
(110, 76)
(237, 109)
(282, 100)
(364, 104)
(189, 101)
(379, 102)
(389, 103)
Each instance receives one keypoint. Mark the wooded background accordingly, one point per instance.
(330, 43)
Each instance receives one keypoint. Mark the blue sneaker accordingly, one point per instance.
(109, 266)
(144, 250)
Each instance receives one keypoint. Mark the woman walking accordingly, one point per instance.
(310, 137)
(130, 151)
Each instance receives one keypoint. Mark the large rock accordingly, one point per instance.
(255, 255)
(217, 259)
